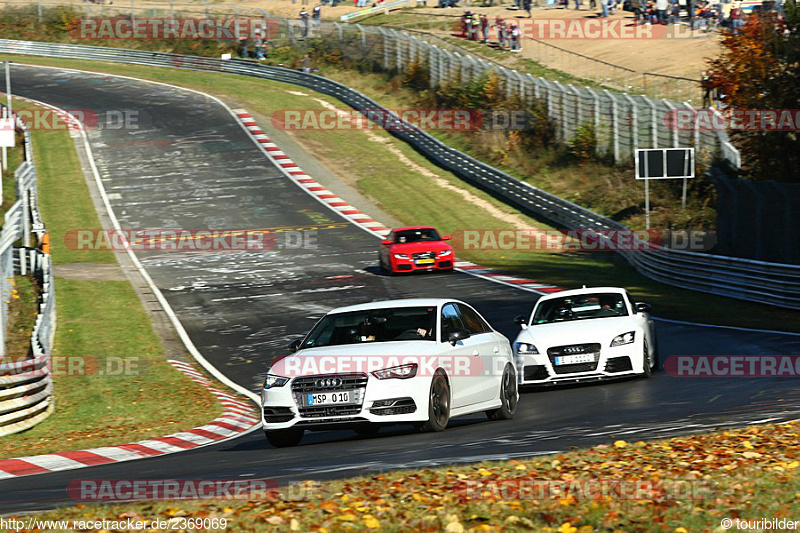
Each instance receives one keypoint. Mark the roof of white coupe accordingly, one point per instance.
(390, 304)
(582, 290)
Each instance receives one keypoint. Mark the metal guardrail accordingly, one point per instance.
(768, 283)
(26, 386)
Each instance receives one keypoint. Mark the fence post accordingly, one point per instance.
(653, 122)
(614, 125)
(363, 37)
(634, 124)
(675, 139)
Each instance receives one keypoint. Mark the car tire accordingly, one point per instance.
(284, 438)
(647, 370)
(367, 430)
(438, 405)
(508, 395)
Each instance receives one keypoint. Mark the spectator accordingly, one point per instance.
(316, 14)
(526, 4)
(243, 46)
(661, 9)
(515, 38)
(307, 64)
(475, 26)
(578, 5)
(499, 26)
(304, 20)
(259, 42)
(604, 8)
(592, 4)
(465, 23)
(485, 28)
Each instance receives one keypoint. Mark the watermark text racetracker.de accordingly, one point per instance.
(733, 120)
(107, 490)
(220, 29)
(746, 366)
(186, 240)
(75, 366)
(111, 119)
(400, 366)
(596, 239)
(584, 489)
(402, 119)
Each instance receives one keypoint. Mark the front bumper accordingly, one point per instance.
(390, 401)
(612, 363)
(411, 265)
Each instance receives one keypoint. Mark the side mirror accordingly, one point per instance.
(643, 307)
(446, 237)
(295, 345)
(457, 335)
(386, 242)
(520, 320)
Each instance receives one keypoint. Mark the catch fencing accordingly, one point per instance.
(25, 381)
(757, 281)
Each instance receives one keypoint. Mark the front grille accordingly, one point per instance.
(535, 373)
(423, 255)
(325, 383)
(619, 364)
(276, 415)
(315, 383)
(574, 349)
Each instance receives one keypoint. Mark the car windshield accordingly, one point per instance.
(416, 235)
(374, 325)
(579, 307)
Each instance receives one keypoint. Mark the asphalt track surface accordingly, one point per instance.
(188, 164)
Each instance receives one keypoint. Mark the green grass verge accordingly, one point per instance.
(412, 198)
(121, 389)
(680, 485)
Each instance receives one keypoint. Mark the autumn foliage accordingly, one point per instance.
(760, 70)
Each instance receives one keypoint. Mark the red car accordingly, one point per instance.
(415, 248)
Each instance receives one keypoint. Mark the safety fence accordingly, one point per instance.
(769, 283)
(25, 379)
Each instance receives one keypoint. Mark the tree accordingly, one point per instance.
(759, 69)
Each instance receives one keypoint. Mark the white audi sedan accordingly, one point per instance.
(585, 334)
(420, 361)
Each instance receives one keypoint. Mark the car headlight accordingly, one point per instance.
(275, 381)
(445, 253)
(624, 338)
(399, 372)
(400, 256)
(525, 348)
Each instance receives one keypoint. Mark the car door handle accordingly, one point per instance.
(475, 352)
(496, 349)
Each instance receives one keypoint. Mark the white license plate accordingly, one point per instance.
(328, 398)
(575, 359)
(425, 261)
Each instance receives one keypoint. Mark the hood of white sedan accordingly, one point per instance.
(601, 330)
(358, 358)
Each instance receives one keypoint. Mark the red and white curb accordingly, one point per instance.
(239, 416)
(357, 217)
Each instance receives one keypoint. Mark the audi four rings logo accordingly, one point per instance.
(573, 349)
(328, 382)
